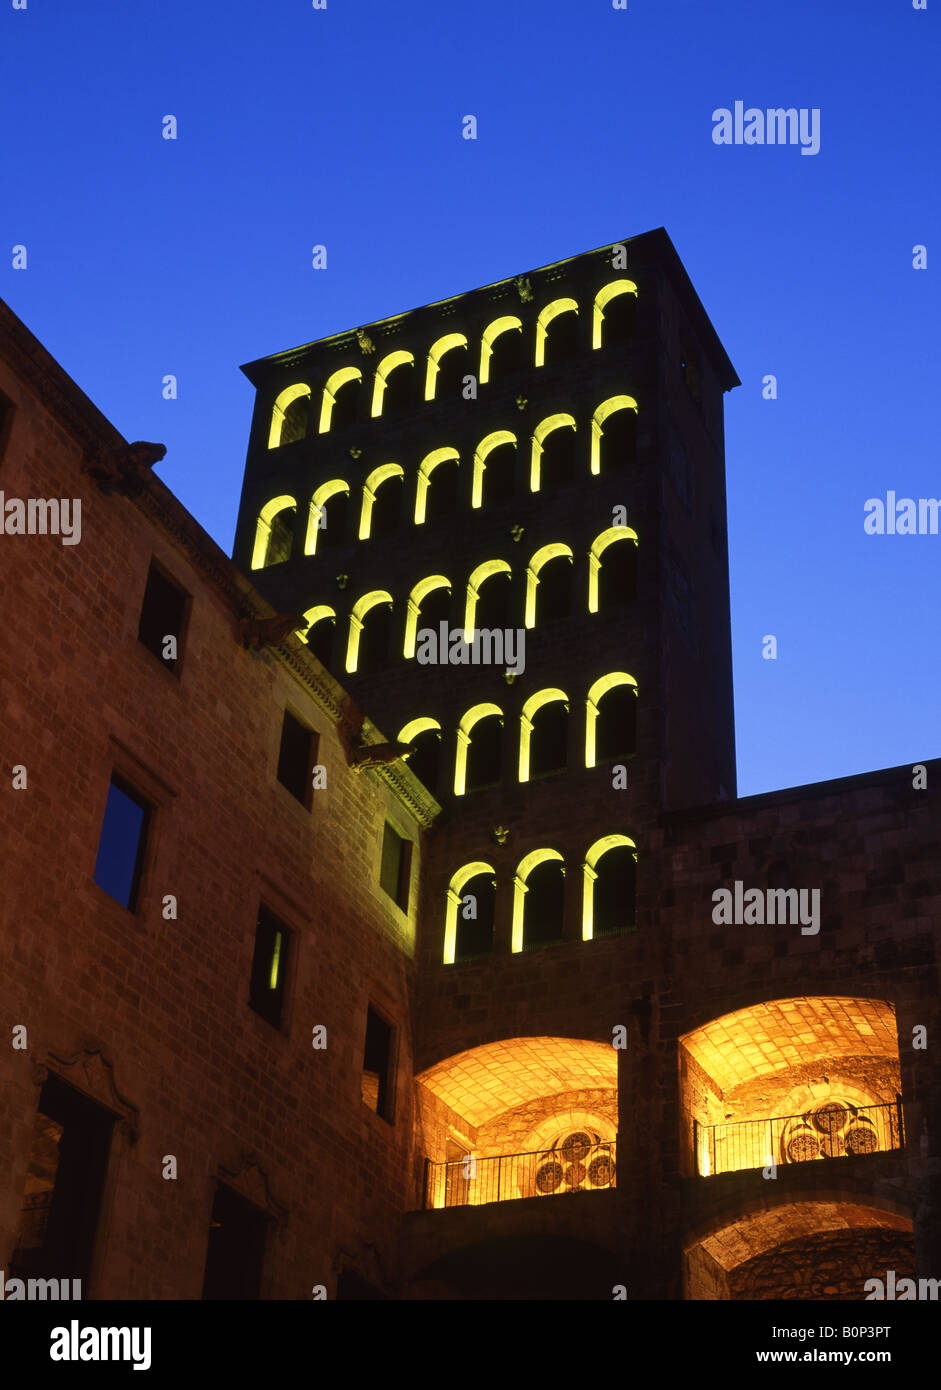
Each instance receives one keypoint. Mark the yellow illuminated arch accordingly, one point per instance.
(287, 397)
(547, 552)
(420, 591)
(385, 367)
(542, 430)
(472, 717)
(360, 608)
(333, 385)
(263, 527)
(524, 869)
(602, 299)
(535, 702)
(484, 449)
(437, 351)
(476, 579)
(458, 880)
(605, 409)
(425, 469)
(590, 872)
(414, 727)
(551, 311)
(316, 615)
(317, 503)
(506, 324)
(370, 488)
(598, 547)
(600, 688)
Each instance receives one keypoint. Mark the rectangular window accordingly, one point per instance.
(121, 847)
(236, 1253)
(296, 757)
(269, 966)
(161, 619)
(6, 419)
(377, 1088)
(395, 870)
(58, 1221)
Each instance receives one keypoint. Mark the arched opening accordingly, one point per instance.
(610, 895)
(395, 387)
(502, 349)
(289, 416)
(611, 718)
(475, 917)
(543, 734)
(614, 316)
(796, 1080)
(433, 477)
(370, 636)
(553, 459)
(479, 749)
(489, 598)
(614, 434)
(274, 532)
(494, 468)
(539, 900)
(328, 521)
(557, 332)
(425, 761)
(448, 364)
(381, 513)
(429, 604)
(612, 569)
(320, 633)
(549, 584)
(340, 406)
(458, 911)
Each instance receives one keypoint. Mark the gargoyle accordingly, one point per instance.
(268, 632)
(366, 343)
(123, 468)
(378, 755)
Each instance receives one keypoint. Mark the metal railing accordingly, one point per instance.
(472, 1181)
(835, 1130)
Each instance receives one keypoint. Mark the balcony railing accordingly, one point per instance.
(833, 1131)
(472, 1181)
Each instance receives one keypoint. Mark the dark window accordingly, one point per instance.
(617, 578)
(162, 614)
(435, 609)
(400, 393)
(58, 1222)
(561, 338)
(320, 639)
(375, 638)
(691, 367)
(385, 517)
(121, 847)
(346, 405)
(619, 440)
(548, 739)
(616, 726)
(236, 1252)
(296, 758)
(543, 904)
(269, 967)
(484, 753)
(494, 602)
(395, 869)
(443, 493)
(614, 891)
(554, 590)
(294, 425)
(508, 354)
(620, 319)
(500, 474)
(333, 522)
(475, 916)
(377, 1086)
(453, 366)
(281, 536)
(425, 759)
(557, 464)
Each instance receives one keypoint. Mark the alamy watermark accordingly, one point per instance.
(901, 516)
(767, 906)
(901, 1290)
(500, 646)
(39, 1290)
(777, 125)
(42, 516)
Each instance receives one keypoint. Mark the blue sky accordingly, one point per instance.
(343, 127)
